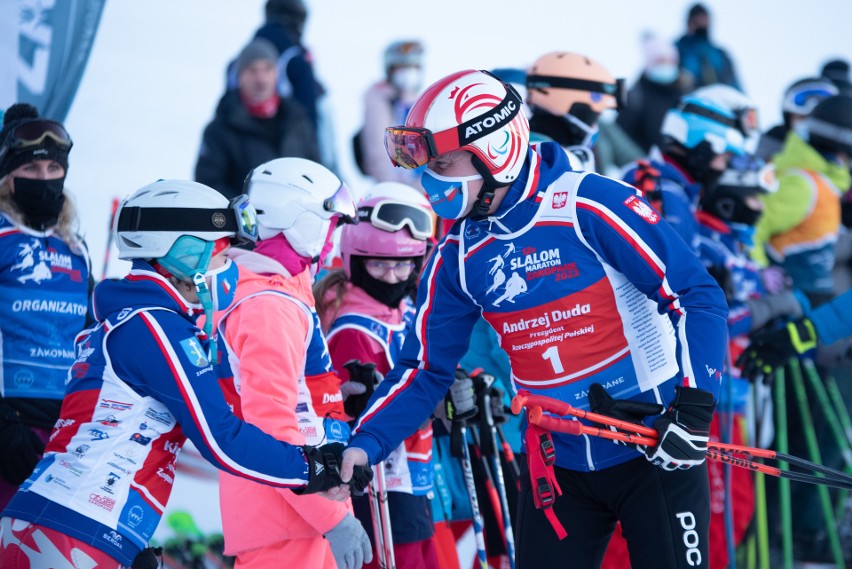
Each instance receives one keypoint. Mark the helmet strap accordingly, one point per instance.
(486, 194)
(206, 299)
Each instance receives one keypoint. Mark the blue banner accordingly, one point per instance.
(44, 47)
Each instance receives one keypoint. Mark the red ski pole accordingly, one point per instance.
(642, 435)
(108, 250)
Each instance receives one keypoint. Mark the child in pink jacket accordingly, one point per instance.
(366, 310)
(266, 336)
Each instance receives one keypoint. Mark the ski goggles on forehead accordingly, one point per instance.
(748, 120)
(342, 203)
(744, 120)
(393, 216)
(806, 98)
(246, 216)
(617, 90)
(34, 133)
(411, 147)
(239, 218)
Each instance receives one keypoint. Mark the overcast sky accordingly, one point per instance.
(157, 67)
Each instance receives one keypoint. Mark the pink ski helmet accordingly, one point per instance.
(395, 220)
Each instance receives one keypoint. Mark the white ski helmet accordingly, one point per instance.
(744, 109)
(300, 199)
(148, 223)
(467, 110)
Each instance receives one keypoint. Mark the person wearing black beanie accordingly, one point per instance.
(34, 156)
(45, 286)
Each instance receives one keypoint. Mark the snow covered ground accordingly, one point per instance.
(157, 70)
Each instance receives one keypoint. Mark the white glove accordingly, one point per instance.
(349, 543)
(462, 397)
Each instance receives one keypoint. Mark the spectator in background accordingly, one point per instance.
(283, 27)
(837, 71)
(705, 62)
(800, 98)
(253, 124)
(658, 89)
(387, 103)
(43, 262)
(567, 93)
(800, 225)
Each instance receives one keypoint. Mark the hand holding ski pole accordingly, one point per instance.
(684, 430)
(624, 409)
(771, 349)
(461, 398)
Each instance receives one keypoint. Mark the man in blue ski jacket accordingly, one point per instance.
(143, 382)
(598, 304)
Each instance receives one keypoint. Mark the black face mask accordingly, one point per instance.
(729, 204)
(388, 294)
(40, 201)
(701, 32)
(696, 162)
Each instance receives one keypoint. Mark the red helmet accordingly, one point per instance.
(468, 110)
(395, 220)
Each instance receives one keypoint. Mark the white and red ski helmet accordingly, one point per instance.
(468, 110)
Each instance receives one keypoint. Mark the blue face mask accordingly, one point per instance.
(448, 196)
(223, 284)
(663, 74)
(218, 295)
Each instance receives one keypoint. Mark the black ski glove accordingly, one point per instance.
(366, 375)
(771, 349)
(20, 447)
(603, 403)
(324, 470)
(684, 430)
(323, 467)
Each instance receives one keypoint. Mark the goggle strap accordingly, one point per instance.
(168, 218)
(550, 81)
(710, 114)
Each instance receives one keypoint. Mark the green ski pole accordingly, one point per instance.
(783, 484)
(814, 455)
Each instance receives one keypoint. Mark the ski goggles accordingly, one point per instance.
(744, 120)
(617, 90)
(804, 99)
(239, 218)
(35, 133)
(412, 147)
(341, 203)
(393, 216)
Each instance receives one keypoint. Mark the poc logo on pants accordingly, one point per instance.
(690, 538)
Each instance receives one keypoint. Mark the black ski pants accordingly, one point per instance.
(665, 518)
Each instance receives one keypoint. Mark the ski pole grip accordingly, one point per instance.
(537, 417)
